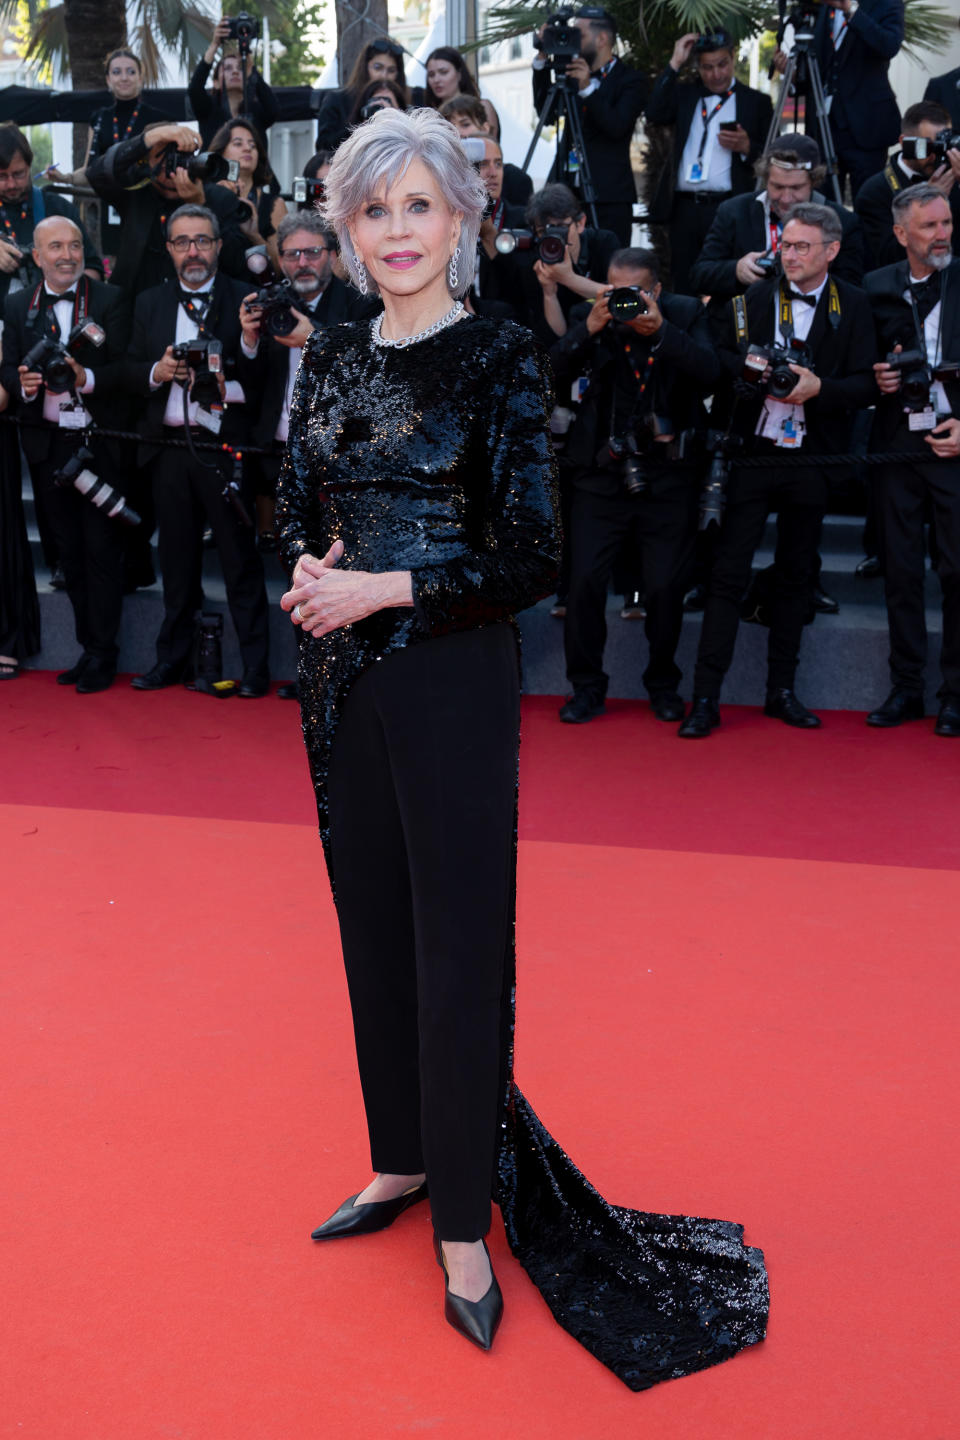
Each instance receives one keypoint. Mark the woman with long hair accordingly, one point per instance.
(447, 75)
(236, 88)
(377, 93)
(256, 187)
(381, 60)
(417, 514)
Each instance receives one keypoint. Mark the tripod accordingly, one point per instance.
(558, 100)
(803, 73)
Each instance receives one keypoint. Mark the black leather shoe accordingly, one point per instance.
(96, 677)
(58, 581)
(823, 603)
(667, 705)
(704, 716)
(948, 720)
(869, 568)
(582, 706)
(366, 1219)
(784, 705)
(71, 676)
(476, 1319)
(288, 692)
(253, 685)
(900, 705)
(695, 599)
(159, 677)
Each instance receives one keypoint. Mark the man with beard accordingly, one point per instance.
(187, 485)
(916, 308)
(917, 160)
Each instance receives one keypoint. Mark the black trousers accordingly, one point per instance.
(853, 161)
(692, 218)
(90, 548)
(797, 561)
(188, 496)
(422, 798)
(661, 524)
(905, 495)
(618, 218)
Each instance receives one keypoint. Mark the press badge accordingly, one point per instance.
(922, 419)
(72, 416)
(579, 388)
(695, 175)
(210, 419)
(784, 424)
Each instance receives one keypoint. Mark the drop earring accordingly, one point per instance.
(452, 269)
(361, 272)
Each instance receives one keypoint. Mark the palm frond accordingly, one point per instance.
(48, 39)
(926, 27)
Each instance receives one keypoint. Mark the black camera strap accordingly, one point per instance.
(81, 307)
(641, 368)
(926, 292)
(196, 307)
(786, 310)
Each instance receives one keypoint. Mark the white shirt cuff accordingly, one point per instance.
(250, 354)
(234, 393)
(594, 85)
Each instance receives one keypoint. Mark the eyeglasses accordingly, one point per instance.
(802, 247)
(183, 242)
(309, 252)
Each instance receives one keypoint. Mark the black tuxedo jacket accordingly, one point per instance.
(872, 204)
(108, 362)
(842, 357)
(863, 100)
(893, 318)
(685, 370)
(674, 102)
(266, 375)
(609, 117)
(155, 327)
(945, 90)
(739, 227)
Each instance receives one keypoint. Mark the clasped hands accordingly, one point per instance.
(322, 598)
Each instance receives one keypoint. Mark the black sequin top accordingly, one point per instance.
(434, 459)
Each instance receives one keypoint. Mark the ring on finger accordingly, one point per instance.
(297, 614)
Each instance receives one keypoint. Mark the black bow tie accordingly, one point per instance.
(196, 297)
(795, 295)
(67, 295)
(926, 295)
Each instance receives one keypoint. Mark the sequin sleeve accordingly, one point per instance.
(297, 511)
(512, 562)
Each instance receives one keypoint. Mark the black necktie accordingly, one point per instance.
(925, 294)
(795, 295)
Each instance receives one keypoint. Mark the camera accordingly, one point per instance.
(779, 358)
(205, 358)
(550, 247)
(769, 264)
(204, 165)
(372, 106)
(306, 192)
(713, 497)
(98, 492)
(243, 29)
(919, 147)
(560, 39)
(276, 303)
(626, 303)
(916, 377)
(624, 448)
(51, 359)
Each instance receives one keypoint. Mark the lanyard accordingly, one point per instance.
(196, 312)
(921, 332)
(640, 373)
(498, 216)
(786, 311)
(6, 223)
(775, 232)
(835, 39)
(130, 124)
(707, 118)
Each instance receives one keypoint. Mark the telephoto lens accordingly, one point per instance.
(626, 303)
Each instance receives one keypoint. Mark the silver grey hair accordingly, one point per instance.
(378, 152)
(194, 212)
(922, 194)
(824, 219)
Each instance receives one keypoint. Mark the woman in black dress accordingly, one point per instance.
(256, 186)
(382, 59)
(417, 514)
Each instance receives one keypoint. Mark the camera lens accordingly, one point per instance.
(626, 303)
(551, 249)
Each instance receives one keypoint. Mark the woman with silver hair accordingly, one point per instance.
(417, 514)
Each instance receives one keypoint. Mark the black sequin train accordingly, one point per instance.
(436, 459)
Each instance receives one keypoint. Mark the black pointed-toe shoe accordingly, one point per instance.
(784, 705)
(366, 1219)
(476, 1319)
(704, 716)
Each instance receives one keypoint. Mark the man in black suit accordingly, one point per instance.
(647, 377)
(720, 128)
(919, 160)
(53, 429)
(832, 321)
(916, 306)
(188, 485)
(609, 95)
(747, 228)
(945, 90)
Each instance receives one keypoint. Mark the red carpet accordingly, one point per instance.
(737, 997)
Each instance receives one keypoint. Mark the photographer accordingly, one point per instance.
(237, 88)
(374, 97)
(916, 306)
(649, 360)
(380, 60)
(145, 178)
(22, 207)
(924, 156)
(720, 127)
(188, 485)
(576, 263)
(260, 208)
(798, 352)
(478, 118)
(55, 412)
(743, 243)
(498, 288)
(609, 95)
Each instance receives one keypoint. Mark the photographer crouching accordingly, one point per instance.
(799, 352)
(185, 337)
(649, 360)
(916, 306)
(64, 346)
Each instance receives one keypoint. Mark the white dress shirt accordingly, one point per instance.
(63, 311)
(716, 162)
(933, 340)
(188, 329)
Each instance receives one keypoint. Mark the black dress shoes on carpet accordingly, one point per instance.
(476, 1319)
(784, 705)
(869, 568)
(582, 706)
(667, 705)
(159, 677)
(95, 676)
(253, 685)
(899, 706)
(71, 676)
(704, 716)
(367, 1219)
(823, 603)
(948, 720)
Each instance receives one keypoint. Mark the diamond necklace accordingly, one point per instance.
(452, 314)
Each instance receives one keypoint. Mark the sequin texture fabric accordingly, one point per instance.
(436, 459)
